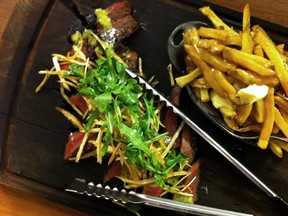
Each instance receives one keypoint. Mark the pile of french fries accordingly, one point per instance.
(221, 61)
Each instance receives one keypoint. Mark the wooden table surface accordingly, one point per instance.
(15, 202)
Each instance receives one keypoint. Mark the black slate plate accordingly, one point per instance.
(35, 133)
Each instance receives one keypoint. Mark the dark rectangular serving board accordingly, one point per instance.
(32, 145)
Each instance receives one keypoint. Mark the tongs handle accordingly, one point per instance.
(80, 186)
(187, 208)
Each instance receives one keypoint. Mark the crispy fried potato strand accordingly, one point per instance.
(273, 54)
(268, 121)
(247, 42)
(217, 22)
(280, 121)
(206, 70)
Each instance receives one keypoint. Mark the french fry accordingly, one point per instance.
(223, 104)
(243, 113)
(246, 18)
(225, 84)
(249, 78)
(259, 111)
(280, 122)
(280, 48)
(217, 34)
(206, 70)
(280, 143)
(258, 51)
(231, 123)
(271, 51)
(191, 36)
(241, 59)
(268, 121)
(200, 83)
(190, 66)
(247, 42)
(188, 78)
(216, 61)
(284, 113)
(216, 49)
(207, 43)
(281, 101)
(275, 129)
(204, 95)
(217, 22)
(276, 149)
(257, 59)
(233, 40)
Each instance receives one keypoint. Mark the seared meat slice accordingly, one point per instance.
(119, 10)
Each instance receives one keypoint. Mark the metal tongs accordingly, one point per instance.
(80, 186)
(208, 138)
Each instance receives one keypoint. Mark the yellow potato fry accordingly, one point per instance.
(216, 49)
(243, 113)
(206, 43)
(285, 53)
(226, 111)
(281, 101)
(191, 36)
(206, 70)
(276, 129)
(271, 51)
(280, 48)
(217, 22)
(216, 61)
(225, 84)
(249, 78)
(259, 111)
(225, 105)
(217, 34)
(204, 95)
(243, 60)
(190, 66)
(280, 143)
(246, 19)
(257, 59)
(280, 121)
(284, 113)
(186, 79)
(247, 42)
(196, 92)
(231, 123)
(258, 51)
(200, 83)
(234, 40)
(268, 123)
(276, 149)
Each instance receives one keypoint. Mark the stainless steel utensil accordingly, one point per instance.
(176, 54)
(80, 186)
(208, 138)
